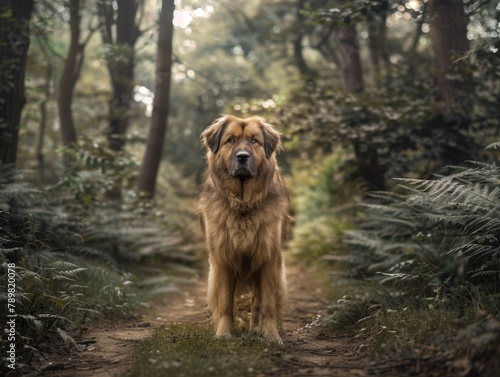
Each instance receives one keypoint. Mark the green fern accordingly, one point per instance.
(434, 241)
(57, 286)
(493, 146)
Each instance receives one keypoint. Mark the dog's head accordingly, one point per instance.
(241, 147)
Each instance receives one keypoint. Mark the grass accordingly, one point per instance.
(192, 350)
(397, 323)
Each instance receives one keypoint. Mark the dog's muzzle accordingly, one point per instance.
(243, 166)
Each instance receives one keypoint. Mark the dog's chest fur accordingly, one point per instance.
(243, 229)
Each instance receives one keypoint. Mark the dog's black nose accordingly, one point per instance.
(242, 156)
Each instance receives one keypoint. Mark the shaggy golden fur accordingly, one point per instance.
(244, 212)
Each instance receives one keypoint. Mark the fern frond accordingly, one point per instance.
(489, 274)
(470, 250)
(68, 340)
(495, 145)
(455, 221)
(92, 254)
(36, 323)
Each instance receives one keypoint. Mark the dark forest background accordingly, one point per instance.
(390, 117)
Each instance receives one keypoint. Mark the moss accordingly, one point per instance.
(192, 350)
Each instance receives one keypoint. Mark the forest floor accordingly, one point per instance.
(310, 348)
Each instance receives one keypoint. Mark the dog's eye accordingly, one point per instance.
(253, 140)
(231, 140)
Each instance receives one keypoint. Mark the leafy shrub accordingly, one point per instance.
(100, 186)
(75, 246)
(319, 194)
(433, 248)
(60, 282)
(395, 130)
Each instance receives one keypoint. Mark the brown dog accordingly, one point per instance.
(244, 211)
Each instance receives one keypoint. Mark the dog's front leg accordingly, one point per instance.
(272, 289)
(221, 286)
(255, 304)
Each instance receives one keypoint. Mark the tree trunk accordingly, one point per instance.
(43, 125)
(297, 42)
(14, 44)
(412, 50)
(350, 62)
(120, 62)
(69, 77)
(352, 78)
(376, 24)
(155, 141)
(449, 36)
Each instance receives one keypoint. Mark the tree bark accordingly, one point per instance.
(14, 44)
(350, 62)
(156, 137)
(43, 124)
(69, 76)
(120, 62)
(297, 42)
(449, 36)
(352, 78)
(376, 24)
(412, 50)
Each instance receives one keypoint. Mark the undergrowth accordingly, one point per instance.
(427, 256)
(322, 199)
(61, 282)
(79, 255)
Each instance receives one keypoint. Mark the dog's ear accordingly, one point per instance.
(272, 139)
(211, 137)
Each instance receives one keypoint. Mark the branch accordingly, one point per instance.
(105, 12)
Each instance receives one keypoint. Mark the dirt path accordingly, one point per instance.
(109, 347)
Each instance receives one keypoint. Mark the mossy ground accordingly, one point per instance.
(192, 350)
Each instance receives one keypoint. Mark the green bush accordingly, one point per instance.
(60, 282)
(433, 248)
(76, 246)
(321, 199)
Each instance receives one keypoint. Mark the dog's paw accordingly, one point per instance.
(224, 327)
(272, 336)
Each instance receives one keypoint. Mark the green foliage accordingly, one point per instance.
(398, 123)
(397, 322)
(319, 193)
(97, 174)
(394, 125)
(430, 253)
(100, 185)
(447, 228)
(60, 281)
(77, 245)
(192, 350)
(72, 242)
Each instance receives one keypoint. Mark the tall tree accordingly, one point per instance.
(449, 36)
(71, 72)
(352, 78)
(69, 76)
(40, 139)
(349, 58)
(376, 24)
(297, 41)
(14, 44)
(120, 59)
(159, 118)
